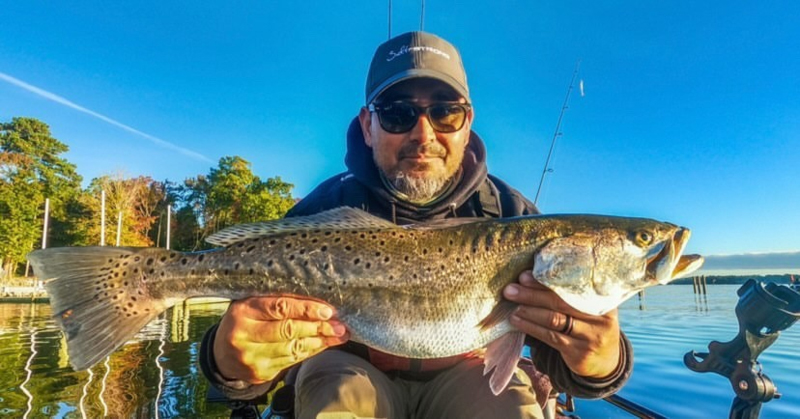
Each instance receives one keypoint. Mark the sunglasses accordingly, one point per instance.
(399, 117)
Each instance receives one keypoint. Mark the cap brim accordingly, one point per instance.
(417, 73)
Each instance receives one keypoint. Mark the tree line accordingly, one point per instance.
(32, 169)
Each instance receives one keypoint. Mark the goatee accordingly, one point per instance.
(419, 189)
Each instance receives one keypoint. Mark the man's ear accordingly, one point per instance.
(365, 119)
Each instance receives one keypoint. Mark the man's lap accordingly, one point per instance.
(336, 384)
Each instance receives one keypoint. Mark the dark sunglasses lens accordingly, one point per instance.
(398, 117)
(447, 117)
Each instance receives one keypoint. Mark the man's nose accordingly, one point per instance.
(423, 131)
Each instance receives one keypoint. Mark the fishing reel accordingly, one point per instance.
(763, 312)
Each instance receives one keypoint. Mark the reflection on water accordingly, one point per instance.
(156, 373)
(153, 375)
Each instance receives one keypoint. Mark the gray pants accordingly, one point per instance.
(336, 384)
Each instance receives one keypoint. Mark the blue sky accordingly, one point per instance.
(690, 115)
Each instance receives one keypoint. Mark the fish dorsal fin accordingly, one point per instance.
(344, 218)
(444, 223)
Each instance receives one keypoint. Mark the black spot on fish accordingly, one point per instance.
(269, 263)
(184, 261)
(348, 248)
(356, 261)
(200, 258)
(163, 259)
(250, 249)
(272, 242)
(288, 245)
(324, 248)
(149, 261)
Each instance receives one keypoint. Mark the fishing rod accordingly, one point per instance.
(557, 133)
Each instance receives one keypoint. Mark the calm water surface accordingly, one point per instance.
(156, 374)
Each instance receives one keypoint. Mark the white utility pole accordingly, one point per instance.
(119, 226)
(169, 214)
(103, 218)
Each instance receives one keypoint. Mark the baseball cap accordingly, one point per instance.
(415, 55)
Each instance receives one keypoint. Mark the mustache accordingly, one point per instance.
(427, 150)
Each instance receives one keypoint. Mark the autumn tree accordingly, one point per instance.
(136, 200)
(31, 169)
(232, 194)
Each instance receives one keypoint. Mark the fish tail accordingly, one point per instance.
(97, 307)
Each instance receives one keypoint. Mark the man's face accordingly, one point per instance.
(422, 160)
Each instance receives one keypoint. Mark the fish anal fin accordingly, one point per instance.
(502, 356)
(501, 312)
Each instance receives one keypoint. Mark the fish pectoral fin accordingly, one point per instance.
(502, 356)
(501, 312)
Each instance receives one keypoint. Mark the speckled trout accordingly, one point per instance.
(420, 291)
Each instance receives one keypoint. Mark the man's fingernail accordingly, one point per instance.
(325, 313)
(511, 290)
(526, 279)
(339, 330)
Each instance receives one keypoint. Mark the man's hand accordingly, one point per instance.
(590, 349)
(261, 336)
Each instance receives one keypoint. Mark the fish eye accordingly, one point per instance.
(644, 238)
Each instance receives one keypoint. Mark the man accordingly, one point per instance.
(411, 157)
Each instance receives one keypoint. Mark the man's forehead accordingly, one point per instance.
(420, 89)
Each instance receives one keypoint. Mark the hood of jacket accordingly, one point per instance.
(361, 165)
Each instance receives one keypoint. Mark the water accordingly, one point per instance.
(672, 321)
(156, 374)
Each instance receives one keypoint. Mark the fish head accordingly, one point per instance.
(602, 261)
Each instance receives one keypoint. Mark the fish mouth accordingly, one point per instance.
(669, 262)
